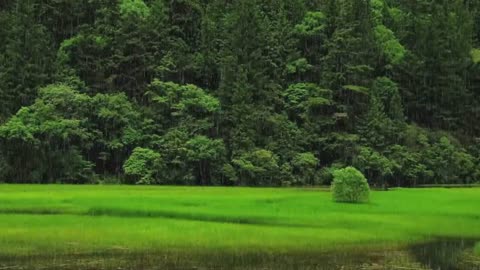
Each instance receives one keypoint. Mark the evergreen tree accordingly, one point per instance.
(253, 92)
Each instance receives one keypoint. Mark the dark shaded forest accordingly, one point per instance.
(251, 92)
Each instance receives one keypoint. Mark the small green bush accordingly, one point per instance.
(350, 186)
(477, 248)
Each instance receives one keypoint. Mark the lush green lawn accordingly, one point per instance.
(45, 220)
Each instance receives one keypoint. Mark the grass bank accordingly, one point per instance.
(61, 220)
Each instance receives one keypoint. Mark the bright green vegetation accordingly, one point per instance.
(239, 93)
(475, 55)
(56, 220)
(349, 185)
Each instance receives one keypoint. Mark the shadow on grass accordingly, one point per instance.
(252, 220)
(126, 213)
(33, 211)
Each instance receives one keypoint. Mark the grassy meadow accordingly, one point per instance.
(65, 220)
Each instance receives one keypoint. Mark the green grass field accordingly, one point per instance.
(46, 220)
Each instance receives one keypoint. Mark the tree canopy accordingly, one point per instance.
(252, 92)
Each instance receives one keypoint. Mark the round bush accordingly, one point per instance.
(350, 186)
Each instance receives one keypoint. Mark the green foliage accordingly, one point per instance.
(184, 115)
(69, 45)
(326, 173)
(356, 88)
(384, 119)
(387, 90)
(143, 166)
(375, 166)
(444, 100)
(208, 154)
(62, 126)
(305, 160)
(304, 165)
(409, 168)
(203, 148)
(298, 66)
(378, 7)
(303, 98)
(26, 56)
(375, 126)
(398, 16)
(350, 186)
(259, 167)
(475, 53)
(45, 138)
(349, 51)
(172, 145)
(181, 100)
(135, 8)
(230, 174)
(220, 88)
(389, 44)
(313, 24)
(449, 163)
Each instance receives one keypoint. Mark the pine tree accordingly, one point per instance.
(27, 57)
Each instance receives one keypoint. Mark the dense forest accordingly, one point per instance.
(251, 92)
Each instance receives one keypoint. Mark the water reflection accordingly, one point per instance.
(446, 254)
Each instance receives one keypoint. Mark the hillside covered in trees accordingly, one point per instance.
(251, 92)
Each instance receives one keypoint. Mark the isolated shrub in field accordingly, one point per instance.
(349, 185)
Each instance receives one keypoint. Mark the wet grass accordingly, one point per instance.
(65, 220)
(391, 260)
